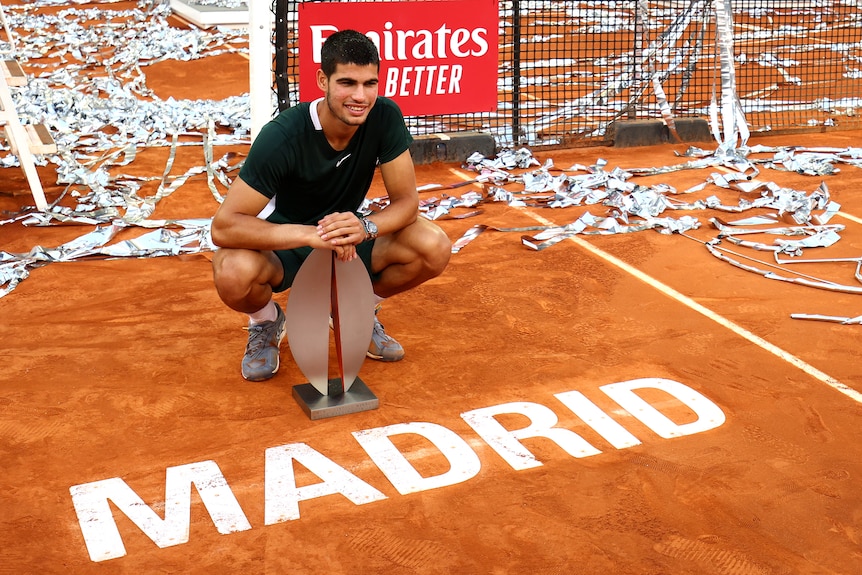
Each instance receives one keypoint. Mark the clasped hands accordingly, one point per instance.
(342, 232)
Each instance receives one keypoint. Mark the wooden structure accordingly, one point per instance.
(207, 16)
(24, 139)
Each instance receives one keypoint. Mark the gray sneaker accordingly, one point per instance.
(382, 346)
(261, 360)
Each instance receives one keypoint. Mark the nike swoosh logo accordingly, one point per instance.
(339, 162)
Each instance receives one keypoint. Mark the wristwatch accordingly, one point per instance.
(370, 229)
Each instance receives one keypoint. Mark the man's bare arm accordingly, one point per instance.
(236, 225)
(399, 178)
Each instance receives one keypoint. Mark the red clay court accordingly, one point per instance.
(622, 403)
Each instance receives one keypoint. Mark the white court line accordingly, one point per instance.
(721, 320)
(849, 217)
(690, 303)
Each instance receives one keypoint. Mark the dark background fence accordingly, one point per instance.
(568, 70)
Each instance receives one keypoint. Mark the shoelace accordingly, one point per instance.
(378, 331)
(256, 340)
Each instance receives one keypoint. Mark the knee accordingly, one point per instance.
(438, 251)
(233, 273)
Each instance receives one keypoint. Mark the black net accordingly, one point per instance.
(569, 70)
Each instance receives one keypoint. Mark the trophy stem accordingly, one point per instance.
(336, 324)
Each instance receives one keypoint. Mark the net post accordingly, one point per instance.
(260, 23)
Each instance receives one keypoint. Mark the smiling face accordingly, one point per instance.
(350, 92)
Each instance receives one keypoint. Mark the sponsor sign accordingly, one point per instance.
(435, 57)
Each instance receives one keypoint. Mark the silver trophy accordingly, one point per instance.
(328, 290)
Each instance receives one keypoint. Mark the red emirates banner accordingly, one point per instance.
(436, 57)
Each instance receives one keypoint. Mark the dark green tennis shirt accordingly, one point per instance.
(291, 161)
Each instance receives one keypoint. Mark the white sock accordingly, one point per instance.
(266, 313)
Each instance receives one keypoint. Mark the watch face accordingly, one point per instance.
(370, 228)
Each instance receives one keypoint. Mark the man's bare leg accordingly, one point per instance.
(410, 257)
(404, 260)
(244, 280)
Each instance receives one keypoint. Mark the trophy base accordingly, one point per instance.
(316, 406)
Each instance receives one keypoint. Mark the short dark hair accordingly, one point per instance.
(347, 47)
